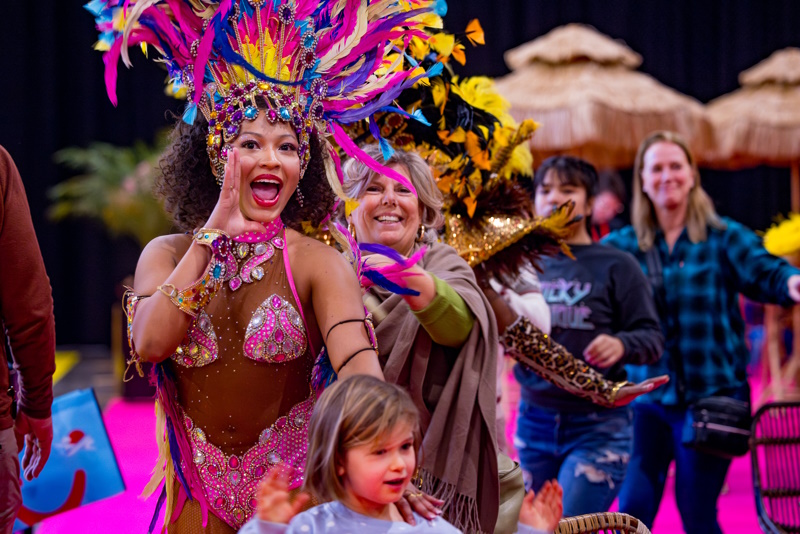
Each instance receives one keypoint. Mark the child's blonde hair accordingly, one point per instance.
(355, 411)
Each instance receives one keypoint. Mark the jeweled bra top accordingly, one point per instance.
(245, 360)
(243, 376)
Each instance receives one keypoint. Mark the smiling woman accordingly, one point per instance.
(439, 345)
(698, 264)
(236, 309)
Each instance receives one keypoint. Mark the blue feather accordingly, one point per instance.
(386, 148)
(436, 70)
(95, 7)
(190, 114)
(176, 457)
(381, 281)
(323, 374)
(417, 115)
(420, 117)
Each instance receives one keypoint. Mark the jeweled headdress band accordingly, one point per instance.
(318, 64)
(238, 89)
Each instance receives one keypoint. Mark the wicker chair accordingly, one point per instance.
(608, 523)
(775, 453)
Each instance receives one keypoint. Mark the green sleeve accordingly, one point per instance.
(447, 318)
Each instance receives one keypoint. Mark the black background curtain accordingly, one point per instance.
(53, 96)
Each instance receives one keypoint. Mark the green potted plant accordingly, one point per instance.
(116, 188)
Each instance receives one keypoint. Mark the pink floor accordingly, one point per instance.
(131, 426)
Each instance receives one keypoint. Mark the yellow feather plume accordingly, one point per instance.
(783, 238)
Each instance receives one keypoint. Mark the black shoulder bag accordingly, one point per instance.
(719, 424)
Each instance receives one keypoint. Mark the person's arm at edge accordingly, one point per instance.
(26, 301)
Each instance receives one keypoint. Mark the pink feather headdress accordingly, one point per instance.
(317, 64)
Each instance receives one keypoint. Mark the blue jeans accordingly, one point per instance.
(698, 476)
(587, 452)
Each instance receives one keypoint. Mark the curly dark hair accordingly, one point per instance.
(189, 190)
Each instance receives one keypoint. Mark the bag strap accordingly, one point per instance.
(655, 275)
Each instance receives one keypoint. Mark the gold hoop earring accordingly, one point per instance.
(421, 233)
(352, 230)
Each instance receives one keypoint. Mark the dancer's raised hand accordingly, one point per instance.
(227, 215)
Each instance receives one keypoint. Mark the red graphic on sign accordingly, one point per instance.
(74, 498)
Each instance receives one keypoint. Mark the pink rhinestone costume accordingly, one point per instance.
(239, 399)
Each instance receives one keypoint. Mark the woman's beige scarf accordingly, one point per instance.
(454, 390)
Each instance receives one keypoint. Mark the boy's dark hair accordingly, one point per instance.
(569, 170)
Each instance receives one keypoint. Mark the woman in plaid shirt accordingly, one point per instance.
(706, 261)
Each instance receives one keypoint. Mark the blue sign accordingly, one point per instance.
(82, 467)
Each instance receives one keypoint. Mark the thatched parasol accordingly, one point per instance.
(583, 89)
(759, 124)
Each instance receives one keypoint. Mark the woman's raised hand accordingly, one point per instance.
(417, 279)
(227, 215)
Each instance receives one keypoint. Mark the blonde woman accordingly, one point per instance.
(705, 261)
(439, 345)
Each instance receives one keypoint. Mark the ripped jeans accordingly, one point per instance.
(587, 452)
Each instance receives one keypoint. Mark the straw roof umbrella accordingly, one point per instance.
(759, 124)
(583, 88)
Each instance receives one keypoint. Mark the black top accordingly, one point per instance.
(602, 291)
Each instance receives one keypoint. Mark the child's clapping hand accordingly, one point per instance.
(274, 500)
(543, 510)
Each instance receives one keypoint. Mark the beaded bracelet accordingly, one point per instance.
(221, 268)
(207, 236)
(195, 297)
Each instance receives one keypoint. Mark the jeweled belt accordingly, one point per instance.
(230, 481)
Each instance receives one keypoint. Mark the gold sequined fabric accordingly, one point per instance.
(478, 240)
(478, 244)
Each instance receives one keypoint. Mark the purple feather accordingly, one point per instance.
(377, 248)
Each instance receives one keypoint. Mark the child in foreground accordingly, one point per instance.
(363, 439)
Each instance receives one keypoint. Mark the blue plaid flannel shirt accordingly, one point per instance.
(704, 326)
